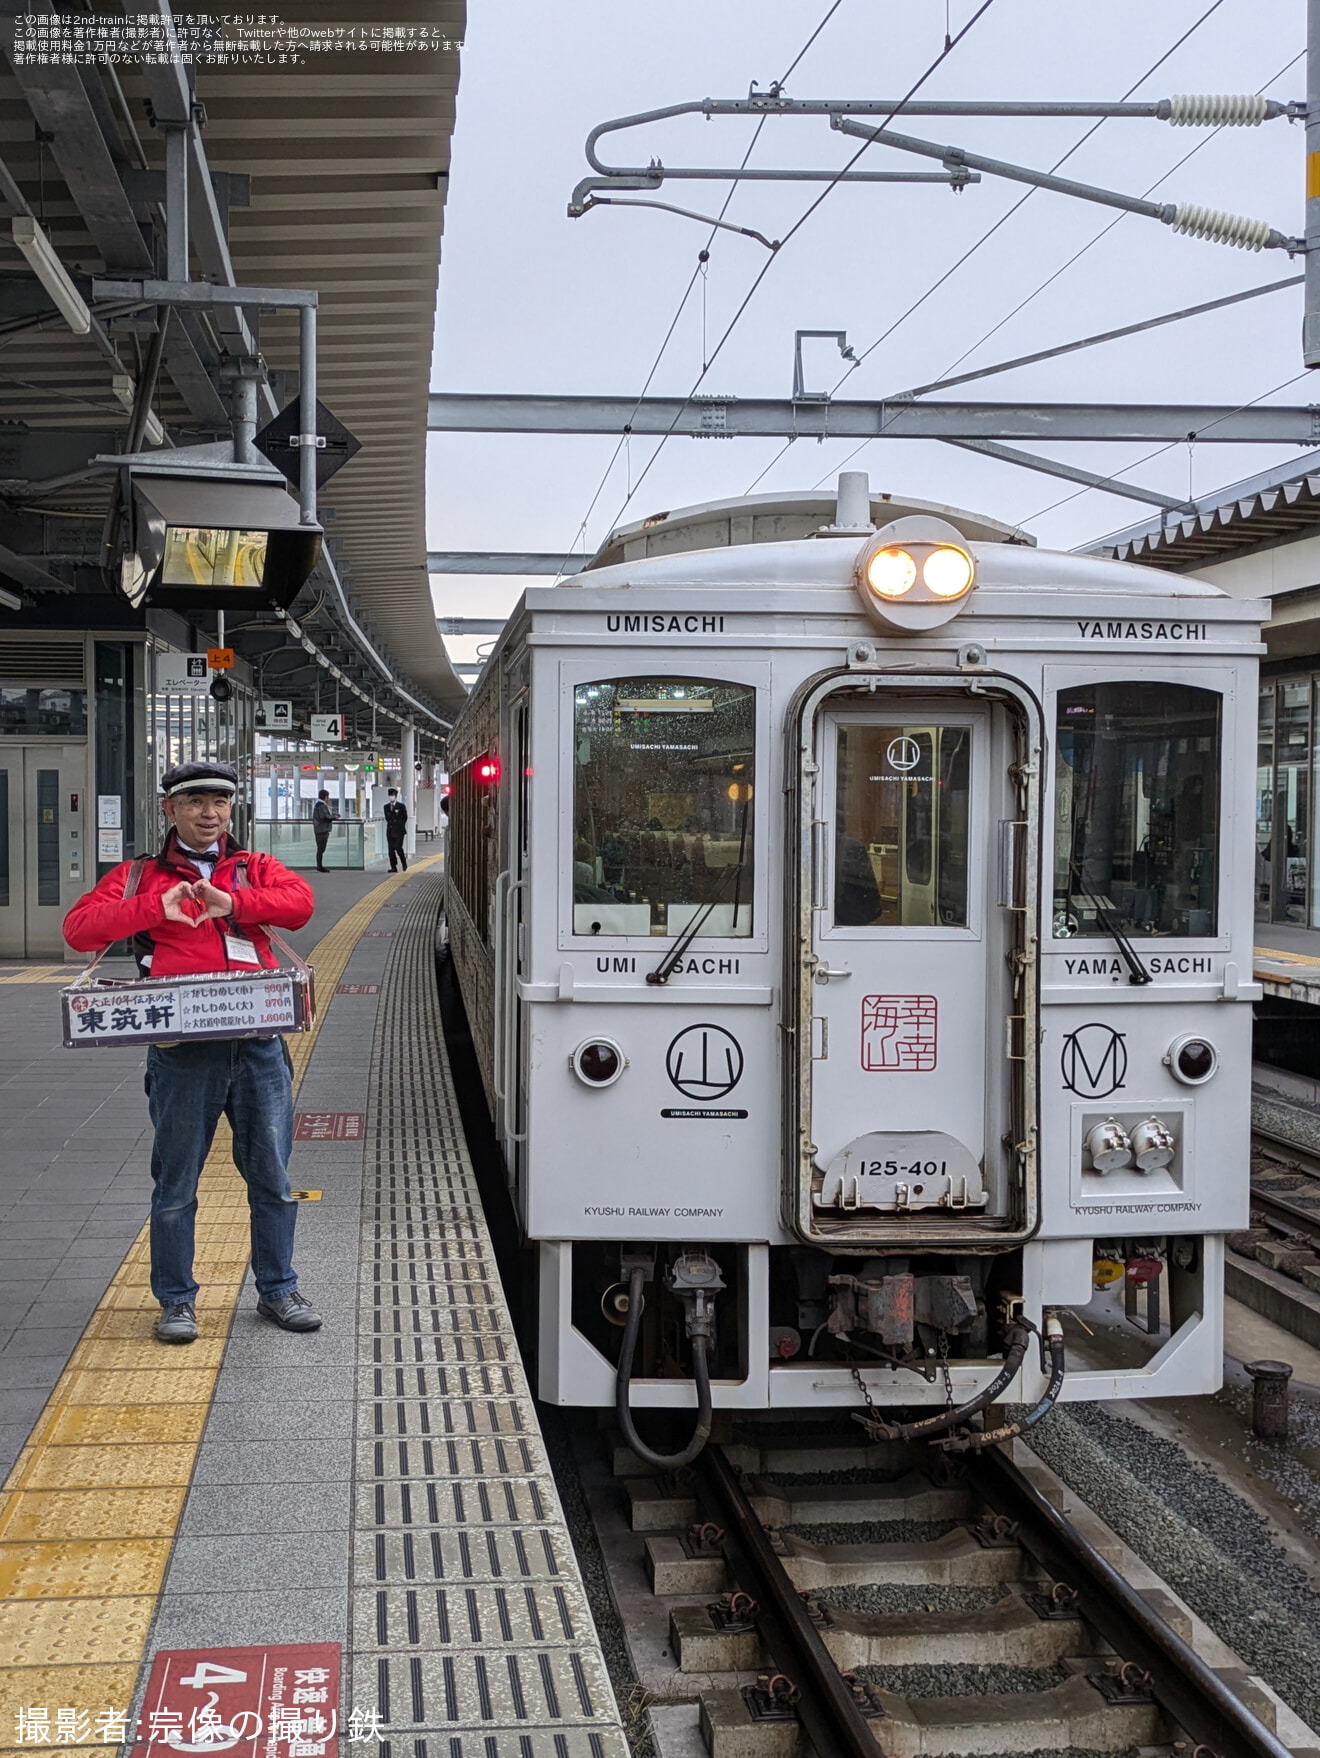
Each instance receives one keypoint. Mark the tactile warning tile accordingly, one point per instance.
(469, 1620)
(65, 1570)
(96, 1500)
(64, 1632)
(107, 1467)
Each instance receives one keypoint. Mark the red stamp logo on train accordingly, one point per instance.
(900, 1033)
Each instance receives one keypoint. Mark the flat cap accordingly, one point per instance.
(199, 778)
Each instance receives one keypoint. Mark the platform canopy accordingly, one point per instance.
(330, 173)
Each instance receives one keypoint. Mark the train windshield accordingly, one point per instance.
(900, 827)
(1137, 810)
(664, 774)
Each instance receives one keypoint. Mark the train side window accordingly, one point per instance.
(1137, 810)
(664, 776)
(902, 805)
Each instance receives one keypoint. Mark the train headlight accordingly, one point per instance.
(598, 1062)
(1109, 1146)
(914, 573)
(948, 571)
(1192, 1059)
(891, 573)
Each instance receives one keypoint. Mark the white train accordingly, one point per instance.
(852, 904)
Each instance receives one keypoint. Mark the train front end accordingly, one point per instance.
(872, 960)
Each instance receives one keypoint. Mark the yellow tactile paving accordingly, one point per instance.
(106, 1467)
(1277, 956)
(93, 1690)
(86, 1570)
(70, 1632)
(89, 1513)
(41, 973)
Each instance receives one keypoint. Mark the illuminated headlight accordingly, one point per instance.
(948, 571)
(914, 573)
(1192, 1059)
(1109, 1146)
(891, 573)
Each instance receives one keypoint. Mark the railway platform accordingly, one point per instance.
(1287, 962)
(381, 1484)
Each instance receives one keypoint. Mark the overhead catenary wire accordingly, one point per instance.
(700, 271)
(1172, 445)
(793, 230)
(1003, 220)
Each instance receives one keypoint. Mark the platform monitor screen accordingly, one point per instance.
(200, 555)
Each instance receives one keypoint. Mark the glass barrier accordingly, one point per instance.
(353, 843)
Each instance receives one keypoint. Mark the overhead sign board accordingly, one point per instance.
(182, 674)
(220, 658)
(274, 717)
(276, 442)
(328, 729)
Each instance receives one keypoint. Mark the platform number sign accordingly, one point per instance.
(328, 729)
(267, 1702)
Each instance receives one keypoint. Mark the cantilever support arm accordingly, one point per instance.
(954, 177)
(1223, 228)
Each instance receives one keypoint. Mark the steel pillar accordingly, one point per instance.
(408, 784)
(176, 200)
(1311, 320)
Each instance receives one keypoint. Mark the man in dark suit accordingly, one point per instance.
(396, 829)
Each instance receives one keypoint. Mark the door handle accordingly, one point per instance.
(824, 973)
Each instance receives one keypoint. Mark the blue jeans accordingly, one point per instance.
(188, 1087)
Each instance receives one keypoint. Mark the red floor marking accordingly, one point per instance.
(328, 1125)
(277, 1702)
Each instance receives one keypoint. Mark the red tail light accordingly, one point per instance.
(488, 771)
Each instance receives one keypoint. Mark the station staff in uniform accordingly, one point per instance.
(396, 829)
(197, 908)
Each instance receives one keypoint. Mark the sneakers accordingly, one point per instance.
(291, 1312)
(177, 1324)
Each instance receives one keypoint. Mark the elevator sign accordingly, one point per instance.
(277, 1702)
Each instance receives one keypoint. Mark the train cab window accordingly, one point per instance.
(1137, 810)
(902, 801)
(664, 779)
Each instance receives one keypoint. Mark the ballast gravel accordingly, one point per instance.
(882, 1598)
(808, 1479)
(947, 1680)
(872, 1531)
(1297, 1123)
(1207, 1542)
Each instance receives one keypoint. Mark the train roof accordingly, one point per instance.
(776, 518)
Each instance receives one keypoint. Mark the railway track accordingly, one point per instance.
(967, 1614)
(1291, 1219)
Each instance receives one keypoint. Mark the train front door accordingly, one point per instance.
(916, 901)
(43, 861)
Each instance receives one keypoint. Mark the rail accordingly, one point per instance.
(1175, 1676)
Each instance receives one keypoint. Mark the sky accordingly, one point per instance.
(532, 301)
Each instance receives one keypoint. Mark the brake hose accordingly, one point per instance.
(994, 1437)
(623, 1380)
(1019, 1335)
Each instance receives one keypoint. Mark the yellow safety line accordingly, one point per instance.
(1277, 954)
(90, 1510)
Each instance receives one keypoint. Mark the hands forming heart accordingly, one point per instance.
(214, 902)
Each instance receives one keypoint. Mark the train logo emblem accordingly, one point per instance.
(704, 1062)
(903, 754)
(900, 1033)
(1094, 1061)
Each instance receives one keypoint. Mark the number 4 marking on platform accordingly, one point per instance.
(208, 1673)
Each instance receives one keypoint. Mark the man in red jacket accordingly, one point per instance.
(198, 907)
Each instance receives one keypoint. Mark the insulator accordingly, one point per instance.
(1211, 110)
(1219, 227)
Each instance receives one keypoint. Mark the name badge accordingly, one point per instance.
(241, 951)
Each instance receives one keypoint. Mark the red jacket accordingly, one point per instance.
(273, 894)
